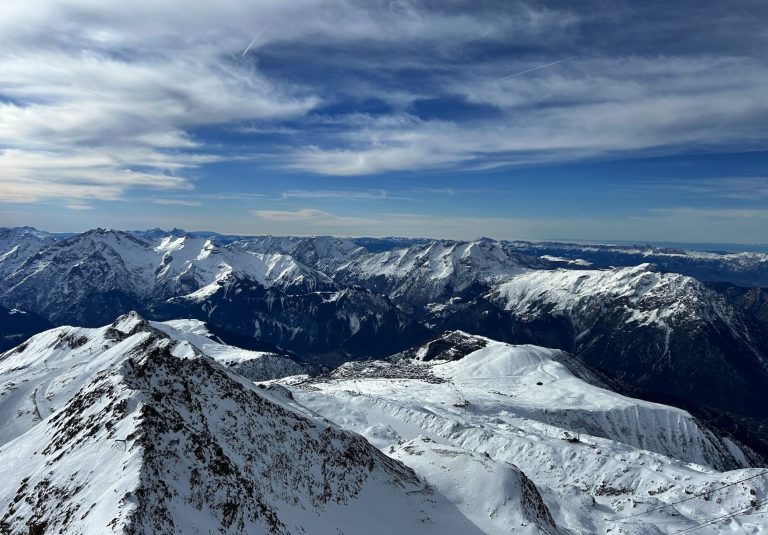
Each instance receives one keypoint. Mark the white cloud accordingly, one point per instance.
(749, 215)
(345, 195)
(305, 214)
(738, 188)
(99, 97)
(312, 217)
(29, 176)
(176, 202)
(131, 82)
(90, 108)
(598, 107)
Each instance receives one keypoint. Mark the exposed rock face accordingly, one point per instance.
(452, 345)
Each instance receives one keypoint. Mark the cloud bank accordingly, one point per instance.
(97, 98)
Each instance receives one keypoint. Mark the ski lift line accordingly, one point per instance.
(699, 495)
(733, 514)
(684, 520)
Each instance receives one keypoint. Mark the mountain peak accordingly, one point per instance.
(130, 323)
(179, 444)
(451, 345)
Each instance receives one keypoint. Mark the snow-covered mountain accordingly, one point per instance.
(125, 429)
(743, 268)
(434, 272)
(666, 333)
(18, 244)
(253, 365)
(244, 287)
(149, 427)
(98, 273)
(604, 463)
(649, 332)
(87, 277)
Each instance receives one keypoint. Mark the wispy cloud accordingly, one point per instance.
(740, 188)
(79, 206)
(97, 98)
(29, 176)
(602, 107)
(312, 216)
(94, 103)
(346, 195)
(447, 192)
(231, 196)
(176, 202)
(748, 215)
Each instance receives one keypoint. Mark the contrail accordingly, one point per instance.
(534, 69)
(254, 41)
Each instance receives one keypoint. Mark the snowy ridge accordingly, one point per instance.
(107, 270)
(562, 399)
(649, 296)
(184, 446)
(39, 376)
(422, 273)
(254, 365)
(198, 262)
(587, 450)
(662, 331)
(496, 495)
(538, 386)
(741, 268)
(18, 244)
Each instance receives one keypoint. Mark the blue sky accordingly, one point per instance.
(596, 120)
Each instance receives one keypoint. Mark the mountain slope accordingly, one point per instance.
(661, 331)
(664, 334)
(497, 496)
(89, 277)
(328, 327)
(744, 268)
(83, 279)
(433, 272)
(253, 365)
(184, 446)
(243, 287)
(587, 450)
(18, 244)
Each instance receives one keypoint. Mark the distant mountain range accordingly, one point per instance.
(681, 327)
